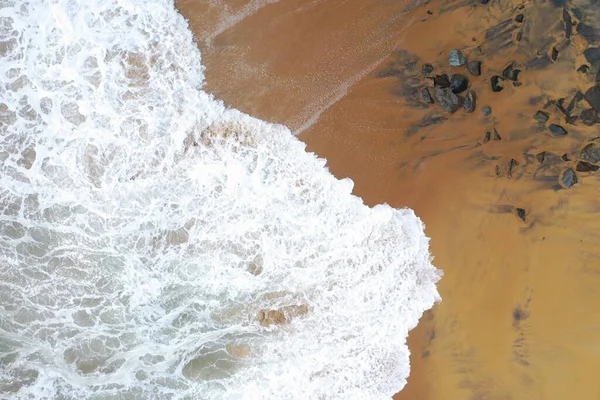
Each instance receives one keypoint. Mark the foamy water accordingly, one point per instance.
(156, 245)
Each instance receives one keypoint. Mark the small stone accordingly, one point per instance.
(554, 54)
(469, 103)
(576, 99)
(511, 166)
(569, 178)
(583, 69)
(519, 18)
(521, 214)
(487, 137)
(429, 12)
(441, 81)
(458, 83)
(474, 67)
(589, 117)
(541, 116)
(568, 24)
(517, 84)
(593, 96)
(426, 96)
(456, 58)
(540, 157)
(426, 69)
(519, 36)
(507, 72)
(448, 100)
(571, 119)
(583, 166)
(590, 153)
(486, 111)
(496, 135)
(484, 1)
(565, 157)
(557, 130)
(496, 87)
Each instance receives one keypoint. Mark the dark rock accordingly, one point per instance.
(571, 119)
(497, 170)
(565, 157)
(456, 58)
(441, 81)
(541, 116)
(549, 103)
(486, 111)
(426, 96)
(560, 104)
(519, 36)
(469, 103)
(577, 12)
(474, 67)
(511, 166)
(496, 135)
(517, 84)
(554, 54)
(519, 18)
(583, 166)
(496, 87)
(593, 96)
(426, 69)
(569, 178)
(588, 32)
(557, 130)
(487, 137)
(540, 157)
(429, 12)
(590, 153)
(507, 72)
(589, 117)
(576, 99)
(583, 69)
(521, 214)
(592, 55)
(458, 83)
(598, 76)
(448, 100)
(484, 1)
(568, 24)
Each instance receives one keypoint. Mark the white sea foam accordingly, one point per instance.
(156, 245)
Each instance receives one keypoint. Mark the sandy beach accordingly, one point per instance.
(517, 239)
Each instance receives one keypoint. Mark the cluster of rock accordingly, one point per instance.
(447, 88)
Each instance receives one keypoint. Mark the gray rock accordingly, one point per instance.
(474, 67)
(557, 130)
(426, 96)
(458, 83)
(590, 153)
(592, 54)
(589, 117)
(469, 103)
(541, 116)
(426, 69)
(456, 58)
(569, 178)
(448, 100)
(486, 111)
(495, 81)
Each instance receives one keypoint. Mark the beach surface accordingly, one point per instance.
(510, 201)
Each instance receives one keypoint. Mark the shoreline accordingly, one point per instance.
(517, 317)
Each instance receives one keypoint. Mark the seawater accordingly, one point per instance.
(156, 245)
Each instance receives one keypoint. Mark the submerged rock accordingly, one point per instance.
(456, 58)
(496, 135)
(540, 157)
(592, 55)
(458, 83)
(474, 67)
(448, 100)
(593, 96)
(469, 103)
(512, 165)
(496, 87)
(554, 54)
(569, 178)
(541, 116)
(557, 130)
(426, 96)
(426, 69)
(583, 69)
(589, 117)
(583, 166)
(590, 153)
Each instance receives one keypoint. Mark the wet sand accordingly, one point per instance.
(519, 316)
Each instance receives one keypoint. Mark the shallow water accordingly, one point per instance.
(155, 244)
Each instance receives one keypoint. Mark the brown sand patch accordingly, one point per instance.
(518, 318)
